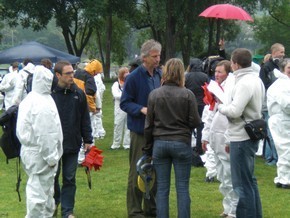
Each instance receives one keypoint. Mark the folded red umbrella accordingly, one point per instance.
(93, 159)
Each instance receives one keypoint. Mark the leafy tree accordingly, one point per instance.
(69, 15)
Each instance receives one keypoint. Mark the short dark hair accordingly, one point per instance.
(26, 61)
(242, 57)
(46, 62)
(59, 66)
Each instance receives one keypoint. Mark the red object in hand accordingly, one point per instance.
(93, 159)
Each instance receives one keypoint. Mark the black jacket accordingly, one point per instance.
(195, 79)
(266, 72)
(74, 116)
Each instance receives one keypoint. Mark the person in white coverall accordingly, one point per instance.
(214, 133)
(120, 117)
(278, 103)
(98, 128)
(7, 85)
(39, 131)
(19, 91)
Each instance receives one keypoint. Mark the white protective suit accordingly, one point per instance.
(7, 85)
(214, 131)
(98, 130)
(19, 90)
(40, 133)
(120, 120)
(209, 157)
(278, 103)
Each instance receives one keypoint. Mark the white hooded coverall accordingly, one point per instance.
(278, 102)
(96, 119)
(214, 131)
(39, 131)
(7, 85)
(120, 120)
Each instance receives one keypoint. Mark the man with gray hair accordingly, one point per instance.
(137, 87)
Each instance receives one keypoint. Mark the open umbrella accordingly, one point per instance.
(227, 12)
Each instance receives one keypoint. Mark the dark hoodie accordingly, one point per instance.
(195, 78)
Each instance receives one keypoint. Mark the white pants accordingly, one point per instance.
(121, 131)
(280, 130)
(210, 162)
(230, 201)
(39, 194)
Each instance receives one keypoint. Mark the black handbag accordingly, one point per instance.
(256, 129)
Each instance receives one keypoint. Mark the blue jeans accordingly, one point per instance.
(270, 149)
(242, 157)
(66, 194)
(166, 153)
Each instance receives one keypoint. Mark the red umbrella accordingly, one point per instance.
(227, 12)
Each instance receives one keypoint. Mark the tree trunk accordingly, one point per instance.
(170, 30)
(210, 36)
(108, 46)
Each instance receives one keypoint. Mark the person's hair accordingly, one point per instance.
(59, 66)
(173, 71)
(15, 65)
(26, 61)
(46, 63)
(242, 57)
(150, 45)
(121, 72)
(266, 58)
(226, 64)
(276, 47)
(283, 64)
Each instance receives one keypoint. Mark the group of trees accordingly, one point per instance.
(107, 29)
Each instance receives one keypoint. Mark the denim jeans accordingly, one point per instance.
(166, 153)
(270, 149)
(242, 157)
(66, 194)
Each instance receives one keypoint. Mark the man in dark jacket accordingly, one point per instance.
(267, 76)
(76, 126)
(194, 80)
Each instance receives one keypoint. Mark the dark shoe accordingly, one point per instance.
(278, 185)
(209, 179)
(285, 186)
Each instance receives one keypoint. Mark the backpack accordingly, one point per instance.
(209, 64)
(28, 85)
(9, 141)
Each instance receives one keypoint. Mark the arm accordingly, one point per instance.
(7, 83)
(86, 130)
(48, 133)
(129, 97)
(193, 116)
(242, 94)
(148, 129)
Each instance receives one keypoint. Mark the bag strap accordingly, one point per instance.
(18, 171)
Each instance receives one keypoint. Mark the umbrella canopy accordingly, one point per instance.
(35, 51)
(227, 12)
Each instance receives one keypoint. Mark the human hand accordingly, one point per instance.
(227, 149)
(144, 110)
(204, 145)
(222, 44)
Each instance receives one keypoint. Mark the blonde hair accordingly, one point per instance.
(173, 71)
(276, 47)
(121, 73)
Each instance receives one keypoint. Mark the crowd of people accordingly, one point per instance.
(158, 111)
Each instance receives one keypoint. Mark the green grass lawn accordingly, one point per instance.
(107, 198)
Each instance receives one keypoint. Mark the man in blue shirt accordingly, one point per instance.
(134, 98)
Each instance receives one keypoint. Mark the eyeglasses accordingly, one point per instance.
(68, 73)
